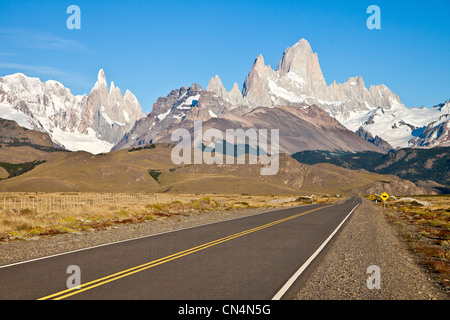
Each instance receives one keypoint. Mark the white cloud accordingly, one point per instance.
(41, 40)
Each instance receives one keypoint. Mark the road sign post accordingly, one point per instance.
(384, 196)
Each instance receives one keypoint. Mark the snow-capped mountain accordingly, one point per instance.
(300, 127)
(298, 79)
(178, 110)
(401, 126)
(436, 133)
(376, 114)
(93, 123)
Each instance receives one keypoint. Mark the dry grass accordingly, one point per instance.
(83, 212)
(425, 225)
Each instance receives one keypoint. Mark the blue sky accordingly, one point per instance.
(152, 47)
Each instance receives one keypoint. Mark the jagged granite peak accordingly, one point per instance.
(298, 81)
(113, 90)
(101, 76)
(304, 63)
(91, 123)
(260, 66)
(298, 75)
(235, 87)
(256, 89)
(215, 86)
(234, 95)
(131, 97)
(296, 58)
(112, 115)
(101, 82)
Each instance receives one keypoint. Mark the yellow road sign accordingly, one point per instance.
(384, 196)
(372, 197)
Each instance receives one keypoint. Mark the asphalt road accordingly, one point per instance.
(259, 257)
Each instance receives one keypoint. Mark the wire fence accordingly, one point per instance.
(53, 203)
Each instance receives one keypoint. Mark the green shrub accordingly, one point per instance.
(148, 146)
(155, 173)
(16, 169)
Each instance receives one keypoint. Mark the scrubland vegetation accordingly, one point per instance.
(424, 223)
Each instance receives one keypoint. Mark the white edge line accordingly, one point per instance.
(142, 237)
(294, 277)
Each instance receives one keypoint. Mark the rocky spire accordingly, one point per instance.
(235, 95)
(255, 88)
(101, 76)
(300, 60)
(215, 86)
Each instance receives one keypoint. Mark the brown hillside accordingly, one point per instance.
(11, 132)
(129, 171)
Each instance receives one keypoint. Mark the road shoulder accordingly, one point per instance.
(367, 239)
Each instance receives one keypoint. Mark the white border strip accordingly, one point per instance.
(146, 236)
(289, 283)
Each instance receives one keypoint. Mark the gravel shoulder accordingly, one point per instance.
(368, 239)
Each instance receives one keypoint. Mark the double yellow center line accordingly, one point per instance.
(125, 273)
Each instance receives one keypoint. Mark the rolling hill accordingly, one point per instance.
(150, 169)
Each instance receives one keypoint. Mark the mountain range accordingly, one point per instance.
(296, 99)
(293, 98)
(93, 123)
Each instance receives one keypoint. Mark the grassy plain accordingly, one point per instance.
(77, 212)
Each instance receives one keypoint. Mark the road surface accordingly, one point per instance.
(259, 257)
